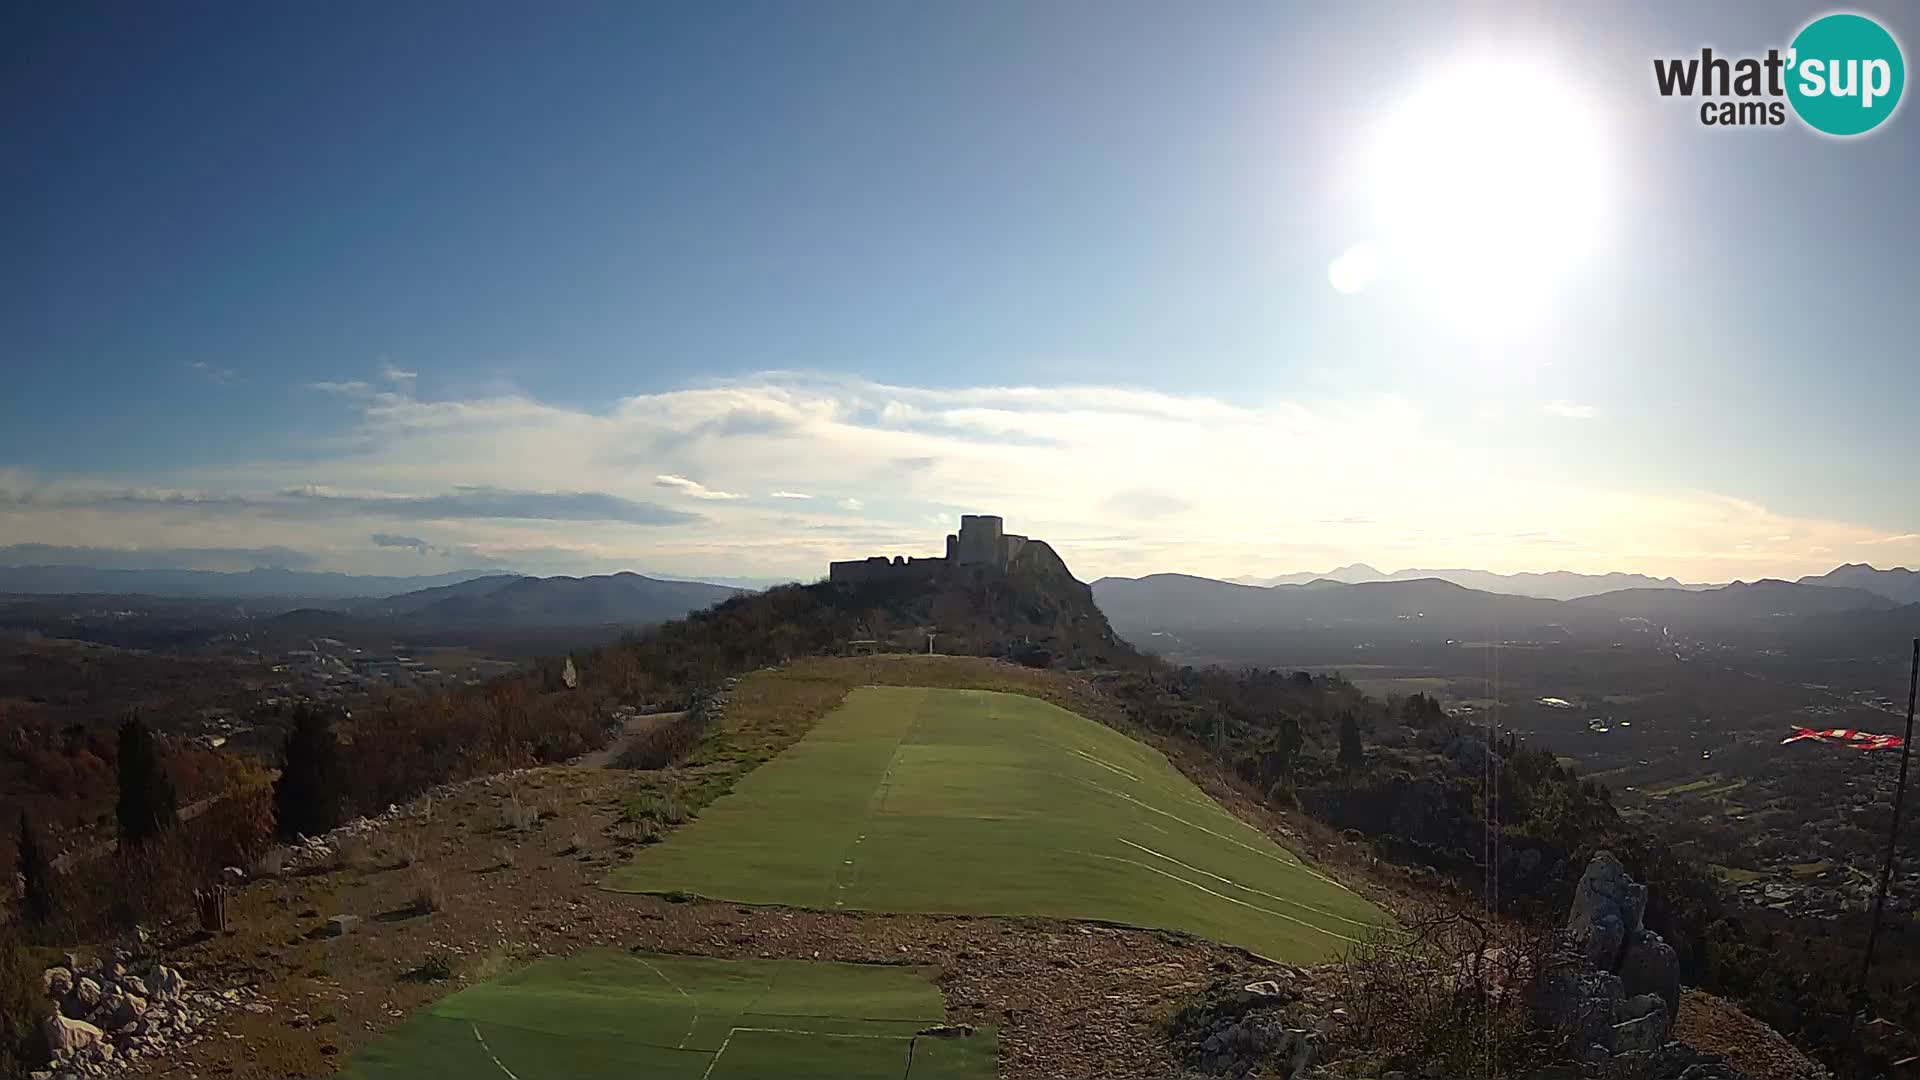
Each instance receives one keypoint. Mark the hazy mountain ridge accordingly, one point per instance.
(625, 597)
(258, 582)
(1434, 609)
(1898, 584)
(1548, 585)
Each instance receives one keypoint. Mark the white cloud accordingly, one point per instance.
(1124, 481)
(389, 373)
(1570, 410)
(691, 487)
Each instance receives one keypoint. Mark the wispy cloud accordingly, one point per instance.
(788, 495)
(346, 388)
(852, 504)
(1570, 410)
(389, 373)
(213, 372)
(691, 487)
(393, 540)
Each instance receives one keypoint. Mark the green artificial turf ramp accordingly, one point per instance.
(976, 802)
(602, 1014)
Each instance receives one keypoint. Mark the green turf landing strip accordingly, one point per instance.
(975, 802)
(602, 1014)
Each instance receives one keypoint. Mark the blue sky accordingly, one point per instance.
(581, 287)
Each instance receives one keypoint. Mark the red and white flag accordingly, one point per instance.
(1847, 737)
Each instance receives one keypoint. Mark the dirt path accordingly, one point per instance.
(635, 725)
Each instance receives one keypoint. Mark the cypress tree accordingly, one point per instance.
(1351, 752)
(306, 798)
(147, 805)
(36, 870)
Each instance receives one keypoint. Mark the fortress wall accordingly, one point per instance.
(879, 568)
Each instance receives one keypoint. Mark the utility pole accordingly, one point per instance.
(1893, 831)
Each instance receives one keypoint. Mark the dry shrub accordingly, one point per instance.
(349, 853)
(146, 885)
(504, 855)
(427, 893)
(516, 815)
(665, 743)
(1452, 996)
(270, 863)
(408, 850)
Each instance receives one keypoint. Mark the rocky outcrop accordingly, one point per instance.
(1612, 986)
(1608, 907)
(106, 1017)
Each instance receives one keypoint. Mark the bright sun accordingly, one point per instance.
(1489, 186)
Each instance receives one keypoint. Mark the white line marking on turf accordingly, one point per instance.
(1221, 895)
(691, 1024)
(731, 1032)
(489, 1052)
(1105, 765)
(1248, 888)
(1289, 863)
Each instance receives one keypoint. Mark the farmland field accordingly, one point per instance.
(976, 802)
(609, 1014)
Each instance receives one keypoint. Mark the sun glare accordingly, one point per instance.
(1488, 186)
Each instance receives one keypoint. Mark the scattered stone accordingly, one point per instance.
(167, 983)
(65, 1035)
(341, 925)
(57, 981)
(948, 1031)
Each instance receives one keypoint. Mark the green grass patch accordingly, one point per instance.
(1665, 790)
(977, 802)
(1401, 686)
(603, 1014)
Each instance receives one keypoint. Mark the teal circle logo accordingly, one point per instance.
(1845, 74)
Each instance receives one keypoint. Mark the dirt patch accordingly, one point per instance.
(636, 725)
(1719, 1027)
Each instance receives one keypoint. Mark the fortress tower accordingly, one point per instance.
(982, 544)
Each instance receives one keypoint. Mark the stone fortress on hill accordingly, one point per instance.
(981, 546)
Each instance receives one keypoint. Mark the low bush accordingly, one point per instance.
(1451, 996)
(667, 742)
(21, 1007)
(427, 894)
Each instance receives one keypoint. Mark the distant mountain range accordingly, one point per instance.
(210, 584)
(1434, 610)
(1899, 584)
(1553, 585)
(605, 599)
